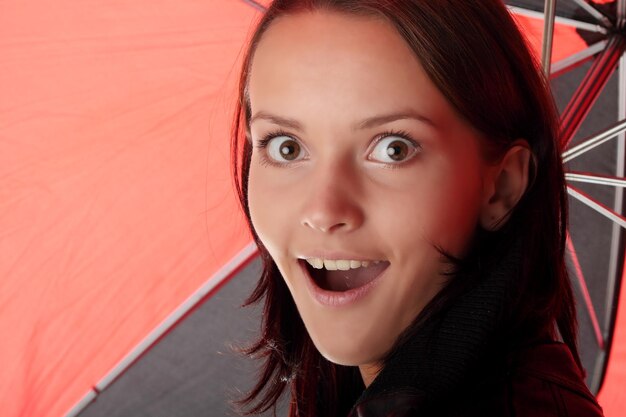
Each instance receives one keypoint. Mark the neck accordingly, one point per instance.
(369, 372)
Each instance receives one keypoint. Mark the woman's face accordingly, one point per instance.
(337, 184)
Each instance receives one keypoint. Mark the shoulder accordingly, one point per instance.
(544, 380)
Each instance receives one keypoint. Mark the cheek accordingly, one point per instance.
(441, 208)
(271, 200)
(262, 203)
(457, 212)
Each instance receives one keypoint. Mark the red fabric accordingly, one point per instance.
(116, 201)
(611, 394)
(565, 43)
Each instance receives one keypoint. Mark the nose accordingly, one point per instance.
(332, 204)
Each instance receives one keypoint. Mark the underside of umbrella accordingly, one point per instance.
(121, 235)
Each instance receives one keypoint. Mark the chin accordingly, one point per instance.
(350, 354)
(344, 358)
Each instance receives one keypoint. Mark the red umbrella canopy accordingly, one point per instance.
(117, 207)
(116, 202)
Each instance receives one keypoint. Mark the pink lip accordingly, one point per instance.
(338, 298)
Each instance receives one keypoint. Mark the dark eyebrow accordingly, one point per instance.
(364, 124)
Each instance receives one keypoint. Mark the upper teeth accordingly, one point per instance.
(340, 264)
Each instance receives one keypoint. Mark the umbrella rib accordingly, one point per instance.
(590, 88)
(595, 13)
(616, 261)
(213, 284)
(594, 140)
(596, 179)
(597, 206)
(256, 5)
(577, 58)
(582, 286)
(549, 11)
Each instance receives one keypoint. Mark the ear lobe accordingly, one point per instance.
(505, 186)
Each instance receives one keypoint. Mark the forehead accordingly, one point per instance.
(315, 63)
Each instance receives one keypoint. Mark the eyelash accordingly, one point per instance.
(265, 161)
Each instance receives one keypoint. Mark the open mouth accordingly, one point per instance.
(341, 281)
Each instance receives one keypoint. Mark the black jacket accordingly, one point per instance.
(464, 364)
(537, 381)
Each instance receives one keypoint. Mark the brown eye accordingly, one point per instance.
(397, 150)
(394, 149)
(283, 150)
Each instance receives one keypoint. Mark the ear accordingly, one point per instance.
(506, 183)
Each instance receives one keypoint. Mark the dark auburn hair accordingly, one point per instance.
(475, 54)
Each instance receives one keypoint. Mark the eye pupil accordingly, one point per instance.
(397, 150)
